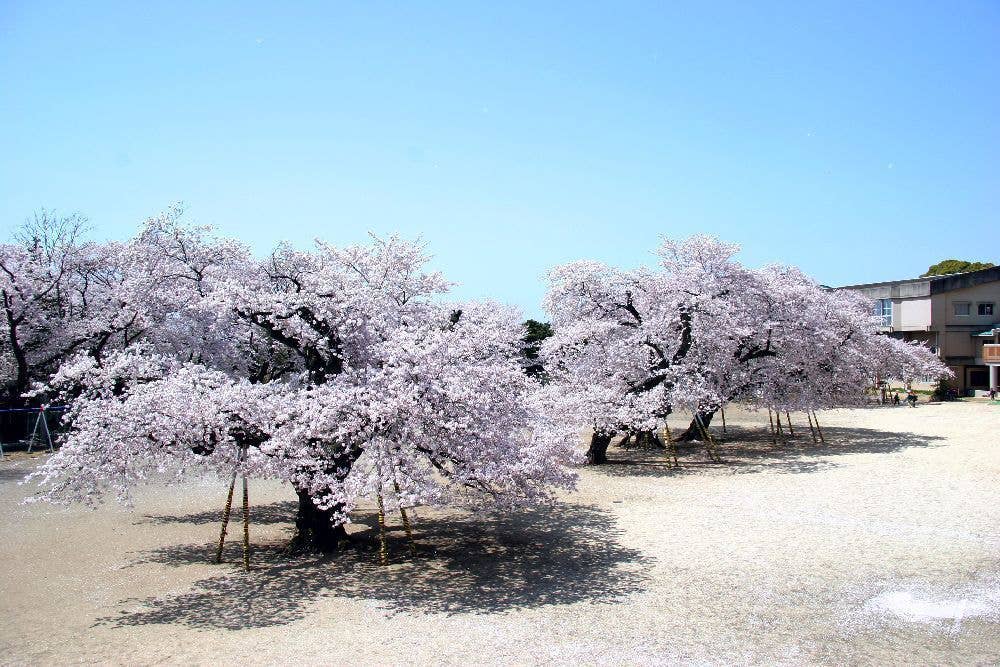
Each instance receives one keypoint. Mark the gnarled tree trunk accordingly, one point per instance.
(598, 452)
(642, 440)
(649, 440)
(314, 532)
(693, 432)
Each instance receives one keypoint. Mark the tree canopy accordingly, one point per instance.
(339, 370)
(700, 331)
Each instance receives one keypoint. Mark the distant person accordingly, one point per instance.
(895, 398)
(911, 398)
(993, 393)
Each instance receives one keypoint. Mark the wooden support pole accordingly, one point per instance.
(383, 553)
(709, 441)
(715, 447)
(770, 420)
(818, 429)
(409, 532)
(406, 519)
(225, 517)
(812, 431)
(669, 442)
(246, 526)
(788, 418)
(704, 436)
(722, 411)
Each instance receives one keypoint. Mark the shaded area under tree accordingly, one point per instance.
(750, 449)
(559, 555)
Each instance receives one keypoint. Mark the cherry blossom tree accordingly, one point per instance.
(63, 294)
(46, 299)
(342, 372)
(701, 331)
(629, 345)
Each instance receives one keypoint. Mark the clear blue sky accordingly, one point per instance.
(858, 141)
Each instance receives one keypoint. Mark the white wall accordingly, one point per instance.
(913, 314)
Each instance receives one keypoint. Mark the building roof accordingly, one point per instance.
(938, 284)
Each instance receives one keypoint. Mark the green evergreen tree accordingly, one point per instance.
(536, 333)
(947, 266)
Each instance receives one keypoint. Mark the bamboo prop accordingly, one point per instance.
(722, 410)
(818, 429)
(246, 526)
(704, 436)
(383, 552)
(225, 517)
(777, 419)
(409, 533)
(715, 445)
(406, 519)
(770, 420)
(812, 431)
(671, 447)
(788, 418)
(709, 441)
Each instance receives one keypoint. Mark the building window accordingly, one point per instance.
(883, 311)
(962, 308)
(985, 309)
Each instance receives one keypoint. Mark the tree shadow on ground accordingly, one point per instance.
(464, 564)
(751, 450)
(13, 474)
(277, 512)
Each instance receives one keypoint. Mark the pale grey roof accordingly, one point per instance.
(935, 284)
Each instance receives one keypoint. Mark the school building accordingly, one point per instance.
(956, 315)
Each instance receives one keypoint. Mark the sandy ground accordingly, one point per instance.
(881, 547)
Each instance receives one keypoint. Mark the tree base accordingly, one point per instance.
(693, 433)
(597, 454)
(689, 436)
(642, 440)
(314, 530)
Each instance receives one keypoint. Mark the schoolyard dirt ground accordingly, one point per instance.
(880, 547)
